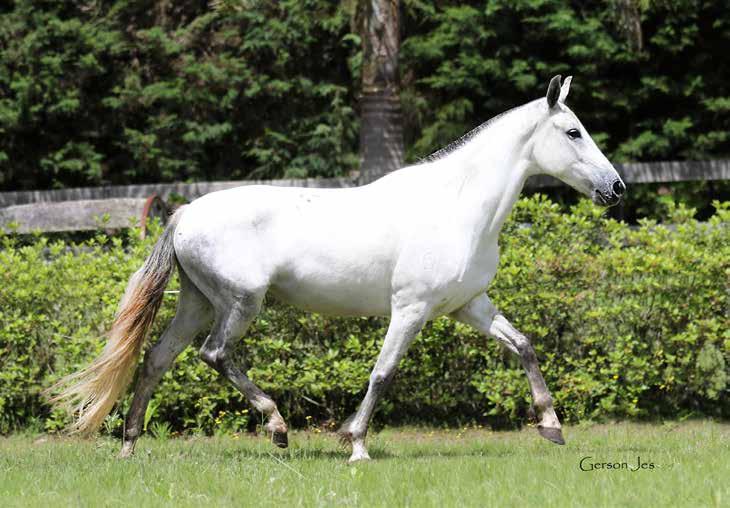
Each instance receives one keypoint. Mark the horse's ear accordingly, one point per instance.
(553, 91)
(565, 89)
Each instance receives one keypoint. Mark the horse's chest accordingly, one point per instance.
(461, 290)
(450, 278)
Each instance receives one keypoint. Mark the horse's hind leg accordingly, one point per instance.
(193, 314)
(217, 352)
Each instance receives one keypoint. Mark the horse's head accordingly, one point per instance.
(563, 148)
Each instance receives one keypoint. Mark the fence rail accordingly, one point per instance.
(78, 209)
(188, 191)
(82, 215)
(635, 172)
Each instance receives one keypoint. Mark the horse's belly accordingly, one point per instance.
(334, 294)
(336, 264)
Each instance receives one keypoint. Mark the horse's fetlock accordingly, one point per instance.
(356, 434)
(276, 425)
(131, 433)
(527, 352)
(542, 403)
(351, 430)
(264, 405)
(213, 357)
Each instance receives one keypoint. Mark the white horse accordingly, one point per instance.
(417, 244)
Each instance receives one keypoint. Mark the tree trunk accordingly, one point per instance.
(381, 119)
(628, 15)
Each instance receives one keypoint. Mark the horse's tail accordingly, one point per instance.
(91, 393)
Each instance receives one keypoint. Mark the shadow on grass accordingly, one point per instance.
(376, 453)
(294, 454)
(425, 453)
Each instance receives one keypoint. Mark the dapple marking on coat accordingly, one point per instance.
(416, 244)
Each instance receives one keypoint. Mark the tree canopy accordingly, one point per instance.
(130, 91)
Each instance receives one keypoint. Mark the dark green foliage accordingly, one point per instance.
(626, 323)
(127, 91)
(468, 61)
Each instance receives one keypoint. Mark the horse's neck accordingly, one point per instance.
(486, 176)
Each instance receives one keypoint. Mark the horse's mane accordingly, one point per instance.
(455, 145)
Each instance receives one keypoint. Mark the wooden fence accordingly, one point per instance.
(83, 215)
(79, 209)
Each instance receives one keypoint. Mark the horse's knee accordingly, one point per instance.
(542, 402)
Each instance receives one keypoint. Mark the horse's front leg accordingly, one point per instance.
(484, 316)
(405, 323)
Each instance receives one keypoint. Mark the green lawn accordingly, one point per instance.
(411, 467)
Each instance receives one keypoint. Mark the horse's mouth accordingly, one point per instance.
(605, 199)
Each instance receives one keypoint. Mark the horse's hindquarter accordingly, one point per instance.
(329, 251)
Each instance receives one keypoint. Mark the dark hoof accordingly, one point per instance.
(552, 434)
(280, 439)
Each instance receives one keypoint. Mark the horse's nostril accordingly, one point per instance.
(618, 187)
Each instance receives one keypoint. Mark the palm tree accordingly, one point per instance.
(381, 127)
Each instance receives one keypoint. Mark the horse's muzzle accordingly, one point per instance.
(609, 197)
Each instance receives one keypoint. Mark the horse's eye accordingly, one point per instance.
(573, 133)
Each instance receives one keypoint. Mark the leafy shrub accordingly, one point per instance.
(627, 322)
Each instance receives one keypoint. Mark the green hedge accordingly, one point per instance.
(627, 322)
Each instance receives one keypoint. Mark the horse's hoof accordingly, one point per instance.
(359, 452)
(280, 439)
(127, 451)
(359, 457)
(552, 434)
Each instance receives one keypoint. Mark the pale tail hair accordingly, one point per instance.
(91, 393)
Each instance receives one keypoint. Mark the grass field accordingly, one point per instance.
(411, 467)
